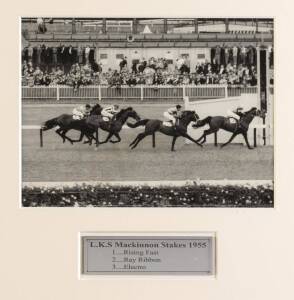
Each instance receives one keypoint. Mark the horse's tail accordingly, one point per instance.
(50, 124)
(203, 122)
(139, 123)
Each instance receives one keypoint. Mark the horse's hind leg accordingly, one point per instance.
(139, 138)
(134, 141)
(206, 133)
(203, 136)
(231, 138)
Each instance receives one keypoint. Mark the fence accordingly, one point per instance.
(143, 92)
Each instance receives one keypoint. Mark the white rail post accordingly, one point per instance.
(99, 92)
(142, 93)
(184, 92)
(226, 91)
(57, 93)
(186, 102)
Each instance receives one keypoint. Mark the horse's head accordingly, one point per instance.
(261, 113)
(254, 111)
(190, 115)
(133, 114)
(96, 110)
(126, 113)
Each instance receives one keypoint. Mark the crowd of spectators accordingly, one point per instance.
(76, 67)
(91, 74)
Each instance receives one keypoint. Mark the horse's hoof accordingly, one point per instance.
(250, 148)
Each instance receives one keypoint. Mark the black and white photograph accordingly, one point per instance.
(147, 112)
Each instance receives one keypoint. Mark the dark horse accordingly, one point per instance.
(219, 122)
(152, 126)
(65, 122)
(95, 122)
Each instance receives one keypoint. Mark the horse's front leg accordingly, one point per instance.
(186, 135)
(80, 138)
(63, 134)
(118, 138)
(108, 138)
(173, 143)
(246, 140)
(58, 131)
(90, 138)
(153, 139)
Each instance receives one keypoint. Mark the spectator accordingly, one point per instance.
(123, 63)
(41, 25)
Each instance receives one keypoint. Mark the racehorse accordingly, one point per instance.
(152, 126)
(65, 122)
(95, 122)
(239, 127)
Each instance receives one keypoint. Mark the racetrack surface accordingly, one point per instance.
(116, 162)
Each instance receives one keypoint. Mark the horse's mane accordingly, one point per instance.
(250, 110)
(96, 106)
(185, 112)
(96, 109)
(123, 110)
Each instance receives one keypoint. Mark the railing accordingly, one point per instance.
(142, 92)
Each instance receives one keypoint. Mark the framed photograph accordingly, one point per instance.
(147, 112)
(95, 96)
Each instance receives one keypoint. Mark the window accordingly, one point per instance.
(119, 56)
(103, 56)
(201, 56)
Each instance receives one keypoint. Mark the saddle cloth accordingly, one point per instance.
(76, 117)
(167, 123)
(232, 120)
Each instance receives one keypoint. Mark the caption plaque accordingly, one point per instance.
(161, 255)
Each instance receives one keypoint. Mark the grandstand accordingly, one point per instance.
(113, 39)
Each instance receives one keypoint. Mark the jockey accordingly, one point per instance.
(81, 112)
(173, 113)
(110, 111)
(235, 114)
